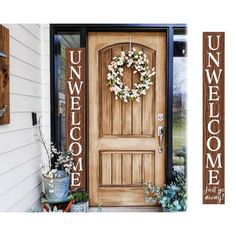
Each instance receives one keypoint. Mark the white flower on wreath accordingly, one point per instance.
(138, 61)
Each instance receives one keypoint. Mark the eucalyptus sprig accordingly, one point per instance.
(172, 196)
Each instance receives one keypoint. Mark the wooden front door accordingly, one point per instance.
(123, 140)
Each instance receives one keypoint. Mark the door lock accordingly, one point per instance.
(160, 133)
(160, 117)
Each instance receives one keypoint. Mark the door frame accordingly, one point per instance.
(83, 29)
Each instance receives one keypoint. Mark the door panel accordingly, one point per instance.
(126, 168)
(123, 142)
(117, 117)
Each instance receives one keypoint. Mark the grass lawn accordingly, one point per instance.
(179, 136)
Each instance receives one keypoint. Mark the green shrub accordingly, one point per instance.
(181, 152)
(80, 196)
(173, 196)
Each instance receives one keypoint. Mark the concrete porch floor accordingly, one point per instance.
(126, 209)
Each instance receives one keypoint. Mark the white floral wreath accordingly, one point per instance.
(139, 62)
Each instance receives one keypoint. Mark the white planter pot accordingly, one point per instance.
(60, 187)
(79, 207)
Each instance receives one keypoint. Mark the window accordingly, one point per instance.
(62, 41)
(179, 100)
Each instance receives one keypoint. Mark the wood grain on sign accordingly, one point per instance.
(123, 143)
(78, 119)
(4, 75)
(213, 118)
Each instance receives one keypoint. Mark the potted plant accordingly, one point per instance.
(81, 203)
(172, 197)
(151, 192)
(56, 180)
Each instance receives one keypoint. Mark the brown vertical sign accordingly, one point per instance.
(4, 76)
(76, 114)
(213, 118)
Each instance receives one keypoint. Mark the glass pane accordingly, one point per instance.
(179, 102)
(63, 41)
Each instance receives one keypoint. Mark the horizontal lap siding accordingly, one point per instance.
(20, 155)
(45, 78)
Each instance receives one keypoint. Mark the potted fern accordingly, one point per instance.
(81, 203)
(172, 197)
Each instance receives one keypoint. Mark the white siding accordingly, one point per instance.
(20, 155)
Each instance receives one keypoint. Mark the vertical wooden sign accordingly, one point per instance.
(4, 77)
(76, 114)
(213, 118)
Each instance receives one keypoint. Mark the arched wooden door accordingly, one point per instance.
(123, 139)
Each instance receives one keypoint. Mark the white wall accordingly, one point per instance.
(20, 155)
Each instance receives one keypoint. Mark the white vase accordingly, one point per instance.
(60, 189)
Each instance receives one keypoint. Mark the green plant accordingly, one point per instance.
(173, 196)
(80, 196)
(181, 152)
(99, 209)
(151, 191)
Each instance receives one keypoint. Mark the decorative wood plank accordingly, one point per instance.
(213, 118)
(136, 169)
(105, 93)
(105, 170)
(137, 106)
(127, 169)
(148, 167)
(76, 114)
(127, 107)
(4, 76)
(117, 114)
(116, 169)
(116, 104)
(147, 103)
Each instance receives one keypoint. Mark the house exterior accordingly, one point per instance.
(20, 154)
(119, 144)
